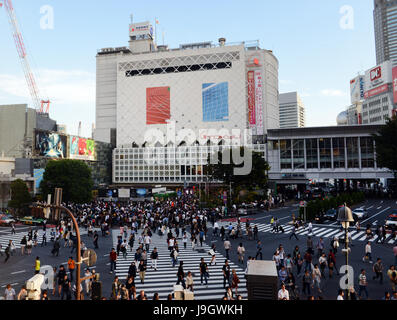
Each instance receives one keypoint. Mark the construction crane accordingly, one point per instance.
(42, 106)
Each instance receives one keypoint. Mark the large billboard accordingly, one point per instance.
(394, 72)
(259, 102)
(158, 105)
(251, 99)
(215, 102)
(50, 145)
(378, 76)
(357, 89)
(81, 149)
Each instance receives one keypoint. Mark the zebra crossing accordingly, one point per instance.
(17, 237)
(317, 231)
(163, 280)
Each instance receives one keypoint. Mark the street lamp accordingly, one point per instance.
(345, 216)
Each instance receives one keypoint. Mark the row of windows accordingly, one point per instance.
(326, 153)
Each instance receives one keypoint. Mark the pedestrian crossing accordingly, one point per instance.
(317, 231)
(163, 280)
(18, 236)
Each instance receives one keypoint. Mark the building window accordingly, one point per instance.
(367, 152)
(311, 154)
(299, 154)
(325, 153)
(338, 145)
(352, 153)
(285, 154)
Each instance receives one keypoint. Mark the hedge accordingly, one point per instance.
(313, 208)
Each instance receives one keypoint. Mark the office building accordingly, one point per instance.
(292, 111)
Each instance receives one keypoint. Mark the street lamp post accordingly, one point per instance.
(78, 253)
(345, 216)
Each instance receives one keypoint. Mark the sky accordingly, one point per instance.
(320, 46)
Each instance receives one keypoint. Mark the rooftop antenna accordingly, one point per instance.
(132, 18)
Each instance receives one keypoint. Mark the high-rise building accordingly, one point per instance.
(385, 24)
(292, 111)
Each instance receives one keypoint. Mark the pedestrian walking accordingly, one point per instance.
(142, 271)
(293, 234)
(113, 259)
(181, 275)
(71, 268)
(189, 281)
(235, 281)
(362, 284)
(9, 293)
(37, 266)
(227, 245)
(226, 274)
(203, 272)
(378, 270)
(66, 287)
(258, 250)
(368, 251)
(95, 240)
(212, 253)
(154, 258)
(241, 253)
(23, 245)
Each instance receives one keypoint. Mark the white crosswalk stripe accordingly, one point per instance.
(324, 232)
(17, 237)
(163, 280)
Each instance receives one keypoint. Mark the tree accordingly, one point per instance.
(20, 196)
(227, 171)
(73, 176)
(386, 146)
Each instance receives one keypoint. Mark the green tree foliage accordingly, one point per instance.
(386, 145)
(20, 196)
(225, 171)
(73, 176)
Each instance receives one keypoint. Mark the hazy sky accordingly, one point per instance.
(320, 46)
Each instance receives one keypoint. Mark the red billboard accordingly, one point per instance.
(394, 75)
(158, 105)
(251, 98)
(376, 91)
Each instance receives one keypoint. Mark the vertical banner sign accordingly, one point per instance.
(259, 102)
(251, 101)
(394, 75)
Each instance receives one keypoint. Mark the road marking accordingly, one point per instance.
(370, 207)
(374, 223)
(18, 272)
(379, 208)
(375, 215)
(358, 235)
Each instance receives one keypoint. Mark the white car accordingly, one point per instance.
(391, 220)
(360, 213)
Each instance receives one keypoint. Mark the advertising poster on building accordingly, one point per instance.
(357, 89)
(394, 85)
(82, 149)
(215, 102)
(158, 105)
(50, 145)
(259, 102)
(251, 100)
(378, 76)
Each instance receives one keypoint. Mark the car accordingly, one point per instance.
(242, 212)
(6, 219)
(391, 220)
(359, 214)
(331, 214)
(31, 220)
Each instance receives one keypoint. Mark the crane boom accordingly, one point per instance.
(41, 106)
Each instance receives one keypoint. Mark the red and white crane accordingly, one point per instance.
(42, 106)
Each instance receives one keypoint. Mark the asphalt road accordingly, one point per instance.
(20, 268)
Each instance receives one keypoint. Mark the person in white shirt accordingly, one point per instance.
(368, 251)
(283, 293)
(340, 295)
(9, 293)
(87, 282)
(148, 241)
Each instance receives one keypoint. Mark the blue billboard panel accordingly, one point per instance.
(38, 176)
(215, 102)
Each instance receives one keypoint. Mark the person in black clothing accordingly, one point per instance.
(7, 252)
(226, 274)
(222, 233)
(181, 275)
(44, 242)
(132, 270)
(96, 237)
(55, 249)
(66, 288)
(131, 240)
(61, 276)
(258, 250)
(203, 271)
